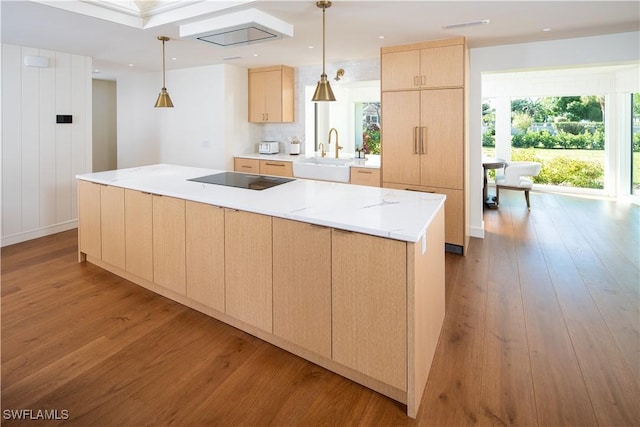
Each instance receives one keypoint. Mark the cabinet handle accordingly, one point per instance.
(415, 140)
(274, 164)
(266, 117)
(246, 167)
(416, 81)
(422, 133)
(423, 80)
(420, 191)
(367, 172)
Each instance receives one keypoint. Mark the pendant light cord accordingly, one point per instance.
(163, 83)
(324, 9)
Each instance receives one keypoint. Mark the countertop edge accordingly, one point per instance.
(296, 215)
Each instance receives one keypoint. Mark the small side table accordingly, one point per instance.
(490, 163)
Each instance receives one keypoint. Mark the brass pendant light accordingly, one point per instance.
(164, 100)
(323, 90)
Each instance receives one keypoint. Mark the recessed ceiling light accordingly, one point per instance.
(380, 37)
(255, 54)
(96, 71)
(130, 65)
(546, 30)
(174, 59)
(466, 24)
(311, 47)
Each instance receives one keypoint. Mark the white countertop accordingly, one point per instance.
(384, 212)
(371, 161)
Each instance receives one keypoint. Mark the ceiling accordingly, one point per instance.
(119, 33)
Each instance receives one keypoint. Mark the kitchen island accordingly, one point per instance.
(348, 277)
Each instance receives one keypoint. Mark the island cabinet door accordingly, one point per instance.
(369, 283)
(112, 224)
(248, 268)
(138, 220)
(302, 285)
(169, 243)
(205, 254)
(89, 234)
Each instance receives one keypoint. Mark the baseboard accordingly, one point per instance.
(38, 232)
(477, 231)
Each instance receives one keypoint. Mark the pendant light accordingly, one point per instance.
(323, 90)
(164, 100)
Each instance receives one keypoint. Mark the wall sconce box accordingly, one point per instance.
(64, 118)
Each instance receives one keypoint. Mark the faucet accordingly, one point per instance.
(338, 147)
(321, 147)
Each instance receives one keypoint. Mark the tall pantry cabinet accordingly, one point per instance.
(424, 126)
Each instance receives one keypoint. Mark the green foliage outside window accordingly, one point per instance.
(371, 140)
(563, 170)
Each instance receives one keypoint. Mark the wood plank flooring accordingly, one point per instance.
(542, 329)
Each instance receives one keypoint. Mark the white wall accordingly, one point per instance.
(39, 157)
(585, 51)
(355, 71)
(105, 148)
(206, 127)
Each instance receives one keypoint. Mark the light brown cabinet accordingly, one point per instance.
(424, 125)
(138, 219)
(369, 306)
(420, 66)
(364, 176)
(248, 268)
(302, 285)
(271, 94)
(112, 225)
(424, 141)
(89, 232)
(275, 167)
(205, 254)
(246, 165)
(169, 268)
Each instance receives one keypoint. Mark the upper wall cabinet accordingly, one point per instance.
(416, 67)
(271, 94)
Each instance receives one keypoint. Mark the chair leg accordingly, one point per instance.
(526, 196)
(497, 196)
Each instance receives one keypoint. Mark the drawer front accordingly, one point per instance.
(246, 165)
(365, 176)
(277, 168)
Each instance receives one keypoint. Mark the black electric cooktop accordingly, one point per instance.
(242, 180)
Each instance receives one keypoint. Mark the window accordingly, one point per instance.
(565, 134)
(367, 118)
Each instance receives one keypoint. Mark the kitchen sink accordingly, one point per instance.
(323, 168)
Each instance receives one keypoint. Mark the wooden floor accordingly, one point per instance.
(542, 328)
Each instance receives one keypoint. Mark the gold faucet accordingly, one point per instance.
(338, 147)
(321, 147)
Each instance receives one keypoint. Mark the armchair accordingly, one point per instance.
(514, 178)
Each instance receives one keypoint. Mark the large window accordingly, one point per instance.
(565, 134)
